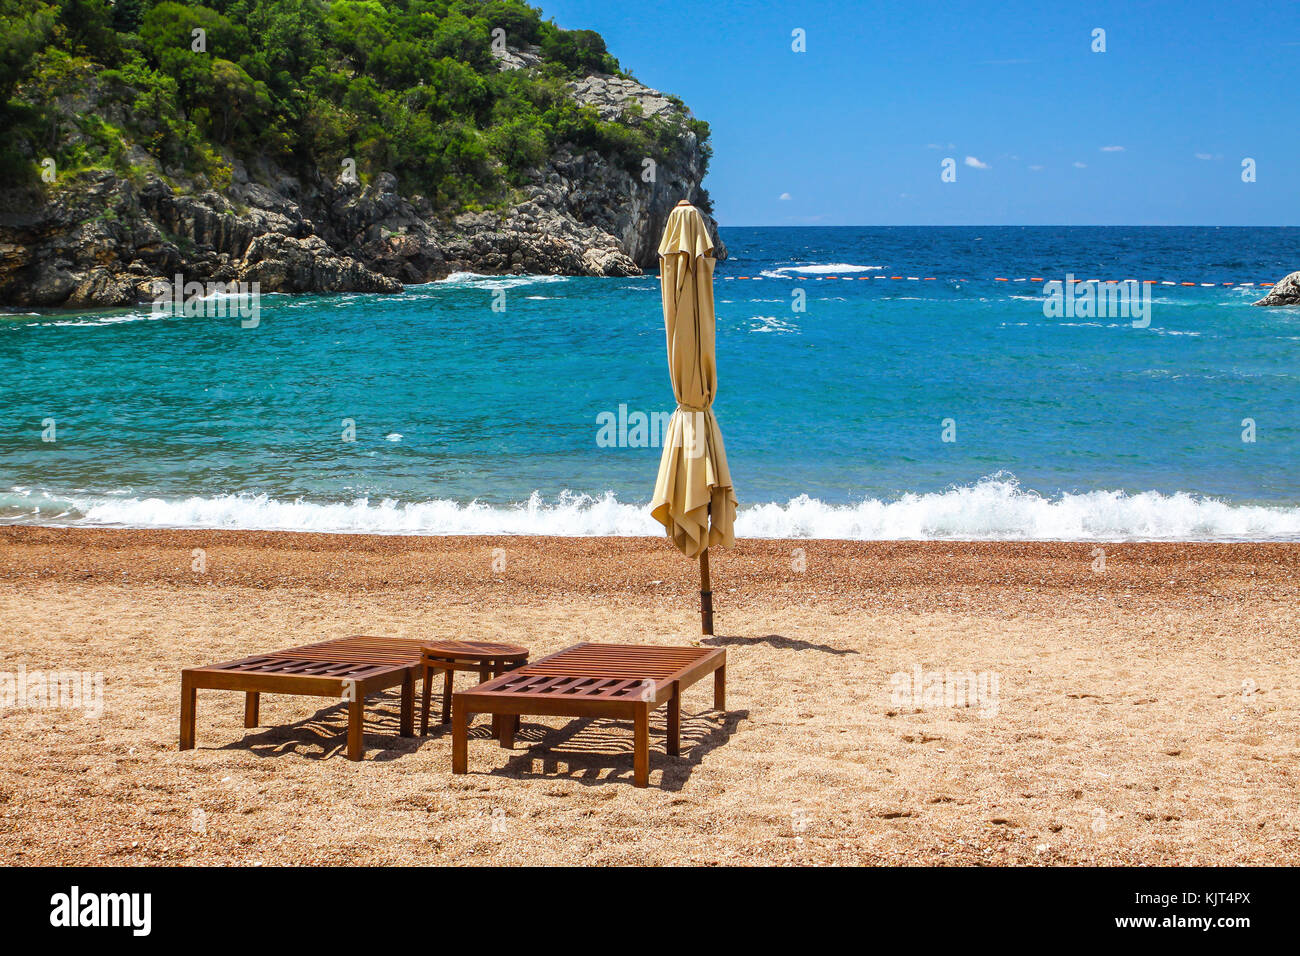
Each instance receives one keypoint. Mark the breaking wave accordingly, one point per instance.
(992, 509)
(833, 268)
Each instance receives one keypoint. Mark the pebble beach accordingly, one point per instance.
(1138, 703)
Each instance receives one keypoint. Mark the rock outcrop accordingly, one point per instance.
(105, 240)
(1286, 292)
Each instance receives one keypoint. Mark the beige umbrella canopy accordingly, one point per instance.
(693, 497)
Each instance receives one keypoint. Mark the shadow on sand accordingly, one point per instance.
(584, 750)
(325, 733)
(599, 750)
(777, 641)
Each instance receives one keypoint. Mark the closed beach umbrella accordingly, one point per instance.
(693, 497)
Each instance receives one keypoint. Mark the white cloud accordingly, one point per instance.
(974, 163)
(785, 196)
(1203, 155)
(1079, 165)
(1112, 149)
(1035, 168)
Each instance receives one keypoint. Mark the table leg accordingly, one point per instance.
(426, 698)
(459, 739)
(506, 730)
(720, 688)
(641, 746)
(356, 726)
(406, 727)
(446, 696)
(189, 698)
(251, 700)
(675, 723)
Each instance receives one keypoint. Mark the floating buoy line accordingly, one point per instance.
(1203, 285)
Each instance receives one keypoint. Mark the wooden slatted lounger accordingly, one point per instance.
(594, 680)
(360, 665)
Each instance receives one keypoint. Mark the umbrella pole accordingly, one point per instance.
(706, 595)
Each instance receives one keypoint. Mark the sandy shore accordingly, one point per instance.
(1147, 712)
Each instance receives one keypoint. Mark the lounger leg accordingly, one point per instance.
(189, 695)
(499, 721)
(446, 696)
(426, 697)
(251, 700)
(356, 726)
(641, 746)
(406, 727)
(506, 730)
(459, 739)
(720, 688)
(675, 723)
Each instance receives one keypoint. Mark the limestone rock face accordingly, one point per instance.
(612, 95)
(517, 59)
(106, 242)
(285, 264)
(101, 288)
(1286, 292)
(585, 215)
(99, 239)
(637, 221)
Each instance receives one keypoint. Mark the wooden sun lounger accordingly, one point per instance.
(353, 666)
(593, 680)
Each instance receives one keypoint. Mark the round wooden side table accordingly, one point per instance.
(488, 658)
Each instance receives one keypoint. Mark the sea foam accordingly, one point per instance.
(992, 509)
(475, 280)
(830, 268)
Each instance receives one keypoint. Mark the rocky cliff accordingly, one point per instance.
(102, 238)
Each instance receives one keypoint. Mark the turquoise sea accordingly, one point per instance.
(470, 419)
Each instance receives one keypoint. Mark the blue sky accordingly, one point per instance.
(854, 131)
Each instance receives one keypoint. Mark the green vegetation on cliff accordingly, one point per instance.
(405, 86)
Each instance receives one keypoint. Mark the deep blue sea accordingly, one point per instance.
(470, 419)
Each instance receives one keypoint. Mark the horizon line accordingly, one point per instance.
(1005, 225)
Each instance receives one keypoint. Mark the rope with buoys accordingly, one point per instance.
(1167, 282)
